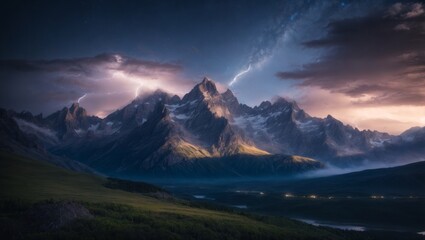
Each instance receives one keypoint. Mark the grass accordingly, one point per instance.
(30, 181)
(124, 215)
(190, 151)
(250, 150)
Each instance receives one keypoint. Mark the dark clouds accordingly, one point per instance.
(87, 65)
(377, 60)
(109, 80)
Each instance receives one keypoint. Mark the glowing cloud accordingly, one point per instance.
(109, 81)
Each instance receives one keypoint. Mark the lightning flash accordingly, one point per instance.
(137, 91)
(235, 79)
(81, 98)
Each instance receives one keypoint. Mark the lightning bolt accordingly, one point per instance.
(81, 98)
(235, 79)
(137, 91)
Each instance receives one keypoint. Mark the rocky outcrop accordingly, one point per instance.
(71, 122)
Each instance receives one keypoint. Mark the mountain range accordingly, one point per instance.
(204, 134)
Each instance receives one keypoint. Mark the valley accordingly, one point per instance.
(119, 214)
(379, 199)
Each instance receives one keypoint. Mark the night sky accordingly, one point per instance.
(363, 62)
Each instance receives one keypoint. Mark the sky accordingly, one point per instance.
(362, 62)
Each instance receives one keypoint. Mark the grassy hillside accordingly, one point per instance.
(120, 213)
(124, 215)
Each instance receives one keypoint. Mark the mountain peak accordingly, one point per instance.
(228, 93)
(74, 106)
(208, 86)
(284, 101)
(76, 111)
(206, 80)
(228, 96)
(329, 117)
(264, 105)
(205, 89)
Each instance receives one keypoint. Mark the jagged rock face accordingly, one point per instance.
(206, 97)
(232, 103)
(137, 111)
(283, 127)
(204, 90)
(29, 117)
(157, 132)
(157, 144)
(135, 149)
(71, 122)
(204, 114)
(172, 132)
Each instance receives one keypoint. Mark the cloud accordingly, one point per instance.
(392, 119)
(416, 10)
(375, 60)
(109, 80)
(388, 125)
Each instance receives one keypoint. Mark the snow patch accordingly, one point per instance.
(93, 127)
(79, 131)
(181, 116)
(307, 126)
(257, 122)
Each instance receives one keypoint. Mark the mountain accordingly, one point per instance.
(414, 134)
(159, 134)
(283, 127)
(71, 122)
(135, 113)
(208, 133)
(157, 143)
(205, 114)
(27, 143)
(406, 180)
(12, 138)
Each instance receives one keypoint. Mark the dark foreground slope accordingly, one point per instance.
(117, 214)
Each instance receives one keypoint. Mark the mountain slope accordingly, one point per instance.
(71, 122)
(157, 144)
(124, 214)
(159, 147)
(282, 127)
(14, 140)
